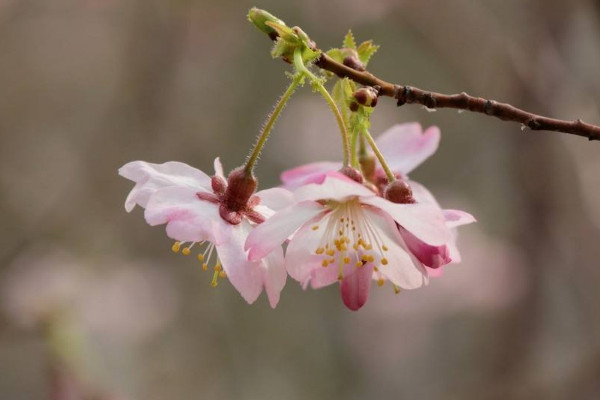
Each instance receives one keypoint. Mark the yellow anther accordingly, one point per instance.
(201, 257)
(375, 269)
(218, 268)
(340, 232)
(324, 263)
(364, 258)
(340, 276)
(368, 247)
(370, 258)
(384, 261)
(346, 260)
(176, 246)
(355, 246)
(320, 250)
(380, 282)
(332, 261)
(215, 278)
(186, 251)
(222, 274)
(205, 266)
(330, 252)
(396, 289)
(384, 248)
(359, 264)
(314, 228)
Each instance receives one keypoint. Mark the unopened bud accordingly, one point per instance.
(399, 192)
(353, 62)
(259, 18)
(240, 187)
(352, 173)
(366, 96)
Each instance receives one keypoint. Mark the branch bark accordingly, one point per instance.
(405, 94)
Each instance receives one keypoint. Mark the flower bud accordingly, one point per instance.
(259, 18)
(353, 62)
(366, 96)
(352, 173)
(240, 187)
(399, 192)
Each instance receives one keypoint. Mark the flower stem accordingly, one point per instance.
(388, 172)
(264, 135)
(301, 68)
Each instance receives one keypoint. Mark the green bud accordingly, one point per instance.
(260, 18)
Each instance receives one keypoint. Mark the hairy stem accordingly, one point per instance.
(266, 131)
(388, 172)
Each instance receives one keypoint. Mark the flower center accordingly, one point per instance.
(350, 239)
(204, 256)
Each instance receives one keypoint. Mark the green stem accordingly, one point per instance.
(301, 68)
(264, 135)
(390, 175)
(353, 139)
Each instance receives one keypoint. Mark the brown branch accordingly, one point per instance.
(408, 94)
(462, 101)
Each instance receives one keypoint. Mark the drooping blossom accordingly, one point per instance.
(202, 212)
(404, 147)
(340, 230)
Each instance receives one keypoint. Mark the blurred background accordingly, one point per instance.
(94, 305)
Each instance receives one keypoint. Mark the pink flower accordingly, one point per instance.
(199, 211)
(404, 146)
(340, 230)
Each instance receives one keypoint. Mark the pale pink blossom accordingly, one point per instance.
(192, 206)
(341, 230)
(404, 147)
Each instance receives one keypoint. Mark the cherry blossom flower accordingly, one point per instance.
(202, 212)
(341, 230)
(404, 146)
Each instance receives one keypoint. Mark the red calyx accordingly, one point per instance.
(235, 197)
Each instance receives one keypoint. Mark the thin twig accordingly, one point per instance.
(405, 94)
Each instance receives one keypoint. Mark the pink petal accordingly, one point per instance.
(422, 194)
(308, 173)
(245, 276)
(431, 256)
(276, 198)
(336, 187)
(402, 268)
(151, 177)
(274, 275)
(424, 221)
(355, 287)
(405, 146)
(188, 218)
(274, 231)
(456, 218)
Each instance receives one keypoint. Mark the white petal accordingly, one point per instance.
(274, 231)
(276, 198)
(424, 221)
(219, 168)
(402, 268)
(151, 177)
(188, 218)
(336, 187)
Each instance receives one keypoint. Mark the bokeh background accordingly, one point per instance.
(95, 306)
